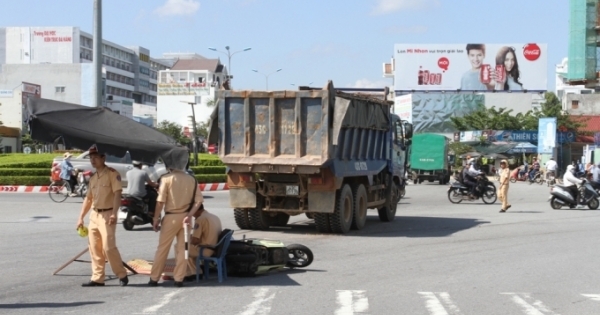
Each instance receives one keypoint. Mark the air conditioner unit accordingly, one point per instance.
(198, 99)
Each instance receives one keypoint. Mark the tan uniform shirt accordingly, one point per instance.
(504, 176)
(207, 229)
(103, 186)
(176, 190)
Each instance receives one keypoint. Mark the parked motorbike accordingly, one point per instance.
(137, 210)
(253, 256)
(560, 196)
(524, 177)
(486, 190)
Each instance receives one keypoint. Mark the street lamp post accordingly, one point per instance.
(194, 131)
(267, 75)
(97, 59)
(229, 54)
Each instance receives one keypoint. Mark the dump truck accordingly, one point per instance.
(429, 158)
(320, 152)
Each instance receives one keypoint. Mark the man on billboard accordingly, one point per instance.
(480, 76)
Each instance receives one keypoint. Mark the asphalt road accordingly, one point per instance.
(436, 258)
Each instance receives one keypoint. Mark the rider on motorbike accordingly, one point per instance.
(136, 185)
(570, 181)
(470, 174)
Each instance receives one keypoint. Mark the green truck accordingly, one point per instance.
(429, 158)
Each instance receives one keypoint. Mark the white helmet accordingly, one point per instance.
(570, 168)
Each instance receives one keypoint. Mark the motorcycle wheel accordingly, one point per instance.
(128, 224)
(489, 196)
(83, 190)
(555, 204)
(539, 180)
(299, 256)
(513, 180)
(593, 204)
(455, 196)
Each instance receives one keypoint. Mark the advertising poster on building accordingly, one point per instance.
(28, 90)
(403, 107)
(471, 67)
(546, 135)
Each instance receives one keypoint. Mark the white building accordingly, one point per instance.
(563, 89)
(59, 60)
(191, 79)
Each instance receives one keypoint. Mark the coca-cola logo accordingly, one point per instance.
(532, 52)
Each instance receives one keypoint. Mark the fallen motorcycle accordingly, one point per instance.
(253, 256)
(486, 190)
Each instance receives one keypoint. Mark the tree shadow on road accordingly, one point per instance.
(46, 305)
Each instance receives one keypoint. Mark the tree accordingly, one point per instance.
(487, 119)
(552, 108)
(173, 130)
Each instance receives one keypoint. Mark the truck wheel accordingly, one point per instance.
(341, 219)
(280, 219)
(360, 207)
(387, 213)
(241, 219)
(258, 217)
(322, 222)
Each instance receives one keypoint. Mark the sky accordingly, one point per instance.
(345, 41)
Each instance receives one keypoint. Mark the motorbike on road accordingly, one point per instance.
(560, 196)
(137, 210)
(486, 190)
(524, 177)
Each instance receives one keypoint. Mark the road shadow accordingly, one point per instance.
(402, 226)
(47, 305)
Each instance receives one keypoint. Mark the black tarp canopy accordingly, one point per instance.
(82, 126)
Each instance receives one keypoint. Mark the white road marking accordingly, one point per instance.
(533, 307)
(593, 297)
(436, 307)
(164, 301)
(351, 302)
(262, 303)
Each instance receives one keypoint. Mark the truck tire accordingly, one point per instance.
(359, 218)
(341, 219)
(387, 213)
(322, 222)
(242, 219)
(259, 218)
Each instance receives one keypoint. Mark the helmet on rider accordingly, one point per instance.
(136, 163)
(571, 169)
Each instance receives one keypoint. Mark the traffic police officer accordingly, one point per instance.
(104, 198)
(175, 195)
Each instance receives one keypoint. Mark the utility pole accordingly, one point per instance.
(194, 139)
(97, 90)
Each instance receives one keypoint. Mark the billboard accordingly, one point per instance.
(470, 67)
(403, 107)
(546, 135)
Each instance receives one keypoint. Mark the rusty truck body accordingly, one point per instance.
(327, 154)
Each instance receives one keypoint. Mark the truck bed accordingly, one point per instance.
(302, 131)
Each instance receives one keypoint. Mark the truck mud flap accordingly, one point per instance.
(321, 201)
(242, 198)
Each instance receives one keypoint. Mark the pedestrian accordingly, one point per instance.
(178, 194)
(504, 179)
(104, 199)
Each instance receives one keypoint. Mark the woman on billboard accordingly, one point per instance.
(507, 70)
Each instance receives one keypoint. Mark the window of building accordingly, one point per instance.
(59, 89)
(574, 104)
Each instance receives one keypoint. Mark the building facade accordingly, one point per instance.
(192, 79)
(60, 60)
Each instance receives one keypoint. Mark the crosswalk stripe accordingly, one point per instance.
(351, 302)
(536, 307)
(261, 304)
(436, 307)
(593, 297)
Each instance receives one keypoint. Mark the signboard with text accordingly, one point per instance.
(403, 107)
(546, 135)
(470, 67)
(530, 136)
